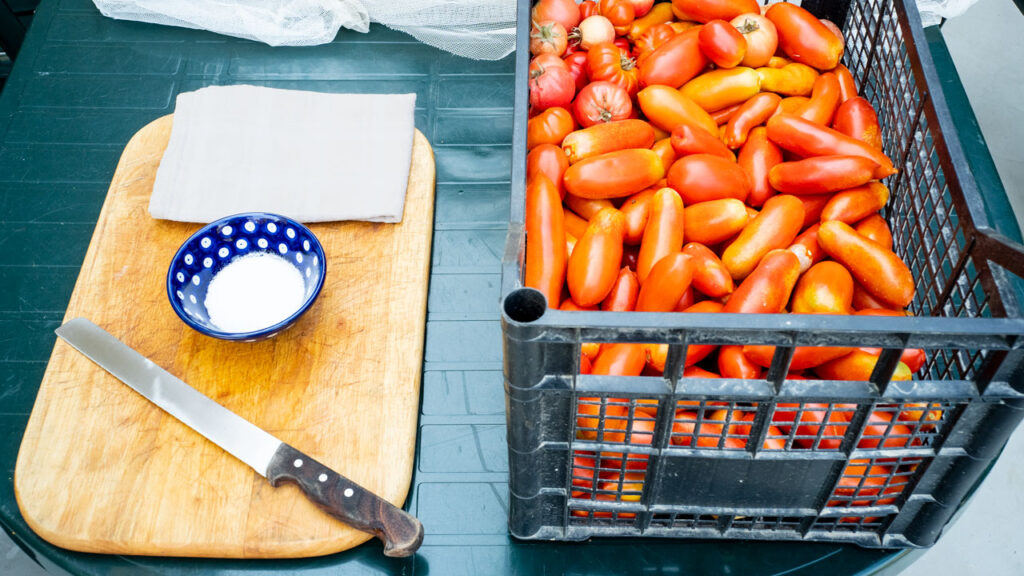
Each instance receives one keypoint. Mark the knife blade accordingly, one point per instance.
(275, 460)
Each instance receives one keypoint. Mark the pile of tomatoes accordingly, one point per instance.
(700, 156)
(709, 156)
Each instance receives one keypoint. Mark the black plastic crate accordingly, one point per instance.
(673, 456)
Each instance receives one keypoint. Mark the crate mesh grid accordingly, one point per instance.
(934, 231)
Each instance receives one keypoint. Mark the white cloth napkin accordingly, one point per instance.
(310, 156)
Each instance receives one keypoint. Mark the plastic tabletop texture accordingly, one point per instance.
(83, 84)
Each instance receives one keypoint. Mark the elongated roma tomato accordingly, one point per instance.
(752, 113)
(666, 108)
(806, 246)
(722, 43)
(547, 159)
(704, 177)
(614, 174)
(766, 290)
(656, 14)
(775, 227)
(667, 154)
(733, 364)
(665, 284)
(914, 358)
(826, 288)
(675, 62)
(847, 85)
(622, 298)
(636, 211)
(805, 138)
(549, 127)
(857, 365)
(585, 207)
(713, 221)
(854, 204)
(710, 276)
(879, 271)
(664, 232)
(804, 38)
(857, 118)
(793, 79)
(607, 137)
(757, 158)
(594, 264)
(620, 359)
(875, 228)
(708, 10)
(657, 354)
(804, 357)
(822, 174)
(545, 239)
(825, 97)
(690, 139)
(722, 88)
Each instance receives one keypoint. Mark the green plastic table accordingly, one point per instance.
(83, 84)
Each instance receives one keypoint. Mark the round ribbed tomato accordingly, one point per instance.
(602, 101)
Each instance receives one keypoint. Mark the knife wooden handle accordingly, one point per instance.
(347, 501)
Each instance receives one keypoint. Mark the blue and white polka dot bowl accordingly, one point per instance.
(219, 243)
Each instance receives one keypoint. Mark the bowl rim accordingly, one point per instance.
(315, 245)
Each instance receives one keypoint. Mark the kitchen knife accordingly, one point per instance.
(278, 462)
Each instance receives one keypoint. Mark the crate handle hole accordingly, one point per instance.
(525, 305)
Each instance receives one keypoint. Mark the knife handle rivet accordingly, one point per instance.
(298, 462)
(348, 492)
(322, 478)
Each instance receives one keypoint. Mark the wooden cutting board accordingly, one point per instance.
(103, 470)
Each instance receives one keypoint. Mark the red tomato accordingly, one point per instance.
(587, 9)
(722, 43)
(665, 284)
(610, 63)
(545, 249)
(704, 177)
(549, 160)
(594, 30)
(707, 10)
(804, 38)
(650, 40)
(663, 234)
(548, 38)
(551, 87)
(602, 101)
(622, 298)
(542, 61)
(761, 36)
(675, 62)
(619, 12)
(549, 127)
(576, 63)
(641, 7)
(594, 264)
(565, 12)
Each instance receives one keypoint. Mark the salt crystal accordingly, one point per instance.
(254, 292)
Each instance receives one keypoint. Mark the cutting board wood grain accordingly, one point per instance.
(102, 470)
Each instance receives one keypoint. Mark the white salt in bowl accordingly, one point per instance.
(246, 277)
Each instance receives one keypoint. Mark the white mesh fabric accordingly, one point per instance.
(478, 29)
(274, 22)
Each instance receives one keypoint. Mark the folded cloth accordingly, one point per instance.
(310, 156)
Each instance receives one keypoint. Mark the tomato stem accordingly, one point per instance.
(748, 26)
